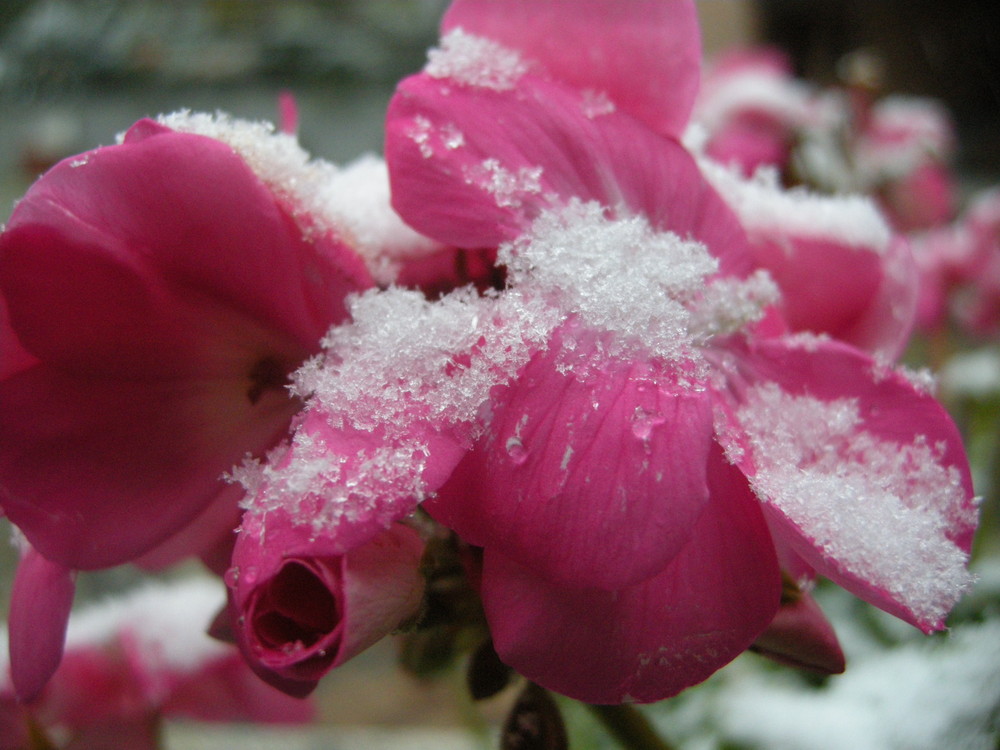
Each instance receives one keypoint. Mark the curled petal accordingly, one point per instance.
(151, 339)
(300, 612)
(139, 286)
(40, 603)
(801, 636)
(649, 641)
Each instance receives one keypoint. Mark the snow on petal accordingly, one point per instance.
(762, 205)
(475, 61)
(534, 149)
(882, 514)
(392, 404)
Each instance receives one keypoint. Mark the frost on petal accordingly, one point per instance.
(475, 61)
(617, 275)
(658, 293)
(393, 403)
(604, 458)
(534, 149)
(880, 515)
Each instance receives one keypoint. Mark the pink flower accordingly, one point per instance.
(639, 481)
(959, 266)
(978, 304)
(131, 661)
(303, 605)
(752, 109)
(157, 293)
(841, 270)
(902, 150)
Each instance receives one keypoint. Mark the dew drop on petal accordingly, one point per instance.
(516, 450)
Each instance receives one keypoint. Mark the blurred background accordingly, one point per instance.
(74, 73)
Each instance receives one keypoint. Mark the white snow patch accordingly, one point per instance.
(764, 206)
(932, 694)
(475, 61)
(884, 511)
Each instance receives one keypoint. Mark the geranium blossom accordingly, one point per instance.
(630, 496)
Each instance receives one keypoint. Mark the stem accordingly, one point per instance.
(627, 725)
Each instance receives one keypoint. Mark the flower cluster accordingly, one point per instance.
(645, 398)
(753, 114)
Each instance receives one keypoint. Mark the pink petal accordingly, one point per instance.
(591, 480)
(226, 690)
(99, 471)
(750, 142)
(801, 636)
(471, 167)
(923, 199)
(41, 597)
(652, 640)
(644, 54)
(862, 474)
(210, 536)
(141, 286)
(853, 294)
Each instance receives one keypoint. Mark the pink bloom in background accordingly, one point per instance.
(302, 606)
(841, 270)
(159, 292)
(752, 110)
(903, 151)
(959, 268)
(132, 661)
(640, 479)
(978, 304)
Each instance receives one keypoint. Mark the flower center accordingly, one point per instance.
(267, 374)
(299, 610)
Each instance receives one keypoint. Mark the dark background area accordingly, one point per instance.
(946, 50)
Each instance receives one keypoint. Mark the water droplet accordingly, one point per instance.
(232, 577)
(516, 450)
(643, 423)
